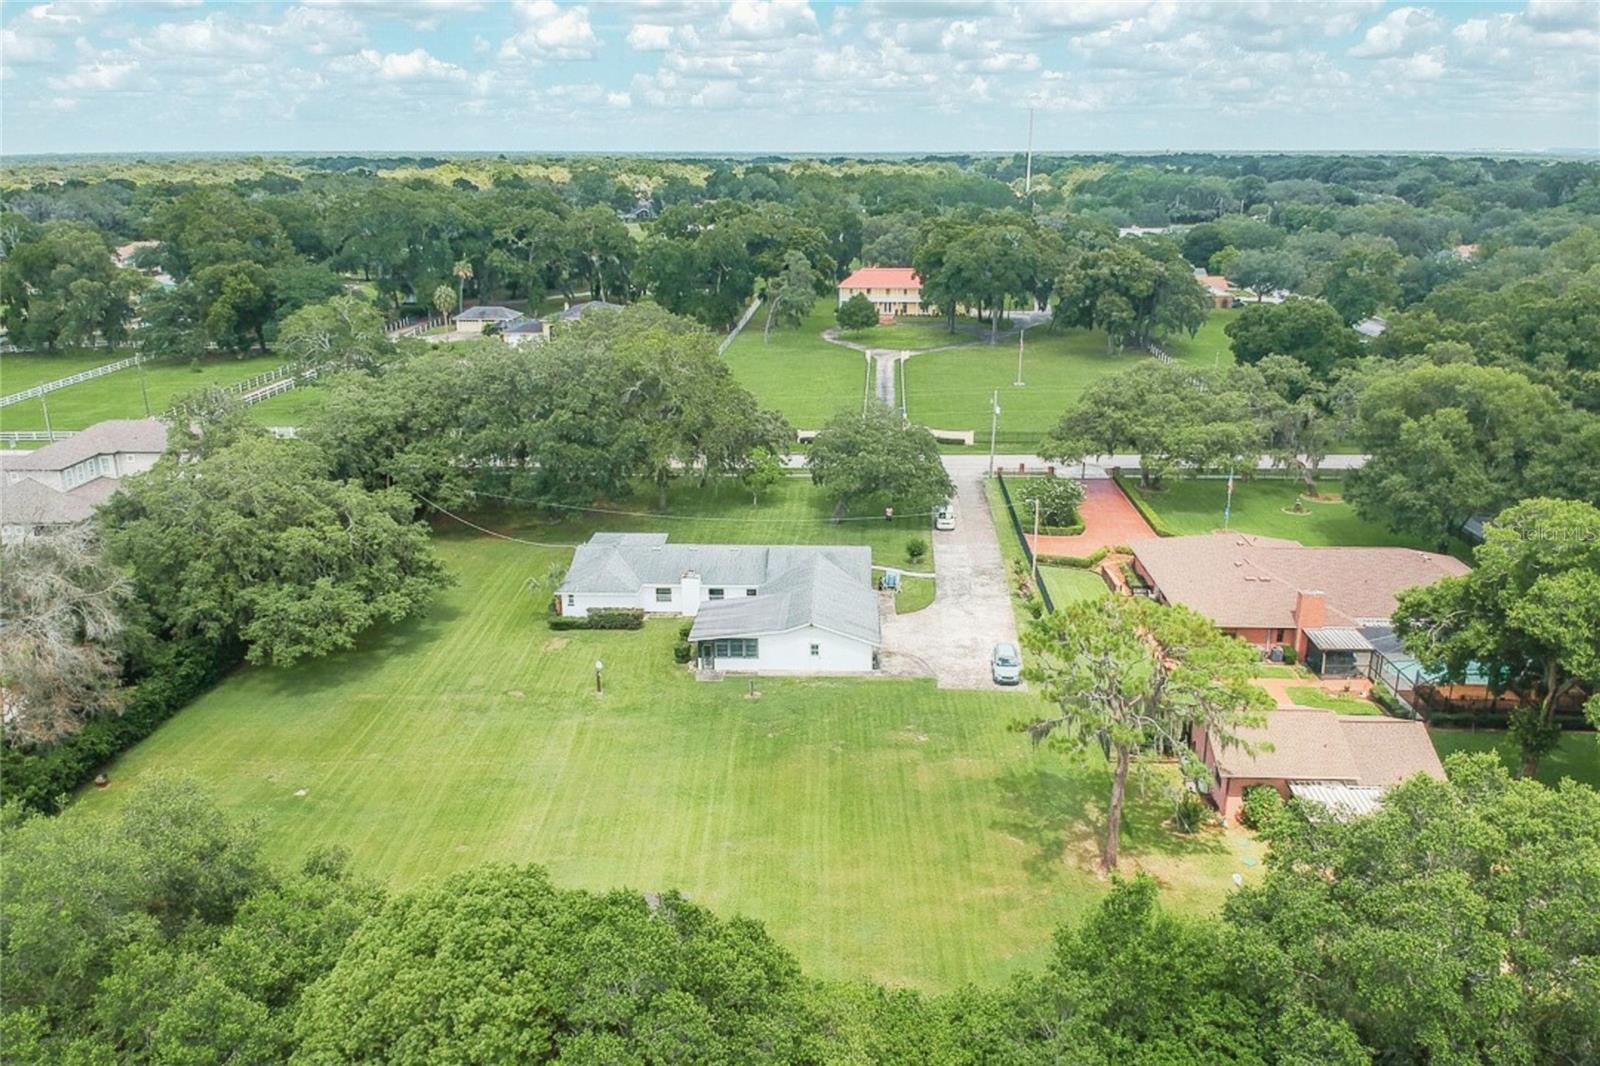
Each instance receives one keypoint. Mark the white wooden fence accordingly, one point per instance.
(61, 383)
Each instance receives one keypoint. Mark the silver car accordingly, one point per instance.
(1005, 664)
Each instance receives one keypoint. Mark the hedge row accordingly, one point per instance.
(1139, 504)
(601, 618)
(43, 780)
(1077, 562)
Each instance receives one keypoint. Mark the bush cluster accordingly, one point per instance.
(1058, 501)
(601, 618)
(1262, 803)
(1078, 562)
(42, 780)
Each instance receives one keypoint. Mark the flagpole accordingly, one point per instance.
(1227, 508)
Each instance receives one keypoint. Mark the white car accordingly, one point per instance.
(1005, 664)
(944, 519)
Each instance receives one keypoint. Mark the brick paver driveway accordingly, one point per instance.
(951, 639)
(1109, 519)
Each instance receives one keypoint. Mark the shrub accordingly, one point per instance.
(1058, 500)
(858, 312)
(1080, 562)
(616, 618)
(1189, 811)
(685, 629)
(1262, 804)
(682, 652)
(560, 622)
(1134, 579)
(916, 548)
(1289, 655)
(41, 780)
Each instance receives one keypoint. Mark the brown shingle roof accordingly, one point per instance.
(1243, 581)
(1320, 746)
(144, 435)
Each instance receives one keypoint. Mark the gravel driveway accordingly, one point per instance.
(951, 639)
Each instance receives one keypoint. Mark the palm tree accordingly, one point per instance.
(462, 271)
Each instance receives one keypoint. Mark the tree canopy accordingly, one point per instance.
(874, 459)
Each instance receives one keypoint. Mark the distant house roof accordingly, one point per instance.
(488, 313)
(816, 592)
(1339, 638)
(1242, 581)
(1371, 750)
(1215, 282)
(577, 311)
(524, 325)
(141, 435)
(1371, 327)
(882, 278)
(33, 503)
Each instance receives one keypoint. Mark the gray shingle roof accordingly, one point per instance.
(577, 311)
(817, 592)
(825, 585)
(488, 313)
(143, 435)
(30, 503)
(525, 325)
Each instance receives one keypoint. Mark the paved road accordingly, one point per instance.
(950, 640)
(1099, 466)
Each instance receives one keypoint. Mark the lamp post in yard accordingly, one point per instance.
(599, 686)
(994, 420)
(1021, 333)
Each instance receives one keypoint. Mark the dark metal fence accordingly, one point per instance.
(1022, 539)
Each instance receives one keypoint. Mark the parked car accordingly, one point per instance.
(944, 519)
(1005, 664)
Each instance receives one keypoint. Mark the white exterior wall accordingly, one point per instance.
(646, 598)
(471, 325)
(583, 602)
(791, 653)
(131, 463)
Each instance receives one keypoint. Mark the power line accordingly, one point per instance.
(490, 532)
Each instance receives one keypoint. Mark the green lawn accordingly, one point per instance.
(120, 395)
(1068, 584)
(799, 373)
(952, 390)
(1577, 756)
(1259, 507)
(914, 594)
(880, 828)
(292, 408)
(1312, 696)
(916, 334)
(791, 512)
(24, 370)
(1208, 347)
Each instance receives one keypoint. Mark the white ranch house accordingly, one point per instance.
(62, 483)
(756, 608)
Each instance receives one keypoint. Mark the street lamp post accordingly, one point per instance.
(1021, 333)
(599, 686)
(994, 420)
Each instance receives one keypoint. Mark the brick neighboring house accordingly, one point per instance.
(1216, 287)
(1326, 603)
(1344, 762)
(893, 290)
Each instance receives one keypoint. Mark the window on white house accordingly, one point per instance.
(749, 592)
(736, 648)
(572, 601)
(663, 595)
(816, 651)
(715, 594)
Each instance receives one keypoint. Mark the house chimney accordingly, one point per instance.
(690, 586)
(1310, 612)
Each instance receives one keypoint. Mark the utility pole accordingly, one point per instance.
(142, 390)
(45, 403)
(1020, 334)
(1034, 552)
(994, 420)
(1027, 182)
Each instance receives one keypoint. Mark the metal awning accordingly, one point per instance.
(1338, 638)
(1342, 800)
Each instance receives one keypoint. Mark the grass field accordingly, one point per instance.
(880, 828)
(24, 370)
(952, 390)
(914, 594)
(916, 334)
(1312, 696)
(1577, 756)
(1259, 507)
(120, 395)
(799, 373)
(1067, 584)
(792, 512)
(292, 408)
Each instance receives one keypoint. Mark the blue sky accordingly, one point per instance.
(787, 75)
